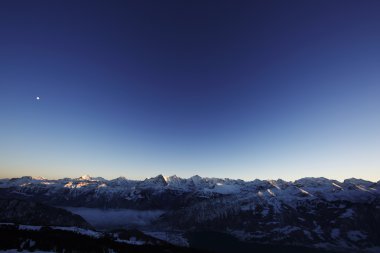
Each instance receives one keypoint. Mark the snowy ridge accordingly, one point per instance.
(322, 188)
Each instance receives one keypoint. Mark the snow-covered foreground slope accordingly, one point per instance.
(28, 238)
(315, 212)
(17, 251)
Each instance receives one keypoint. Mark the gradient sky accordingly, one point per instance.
(239, 89)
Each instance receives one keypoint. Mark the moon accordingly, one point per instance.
(37, 98)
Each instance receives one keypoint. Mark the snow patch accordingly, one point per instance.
(286, 230)
(356, 235)
(349, 213)
(29, 227)
(225, 188)
(335, 233)
(175, 238)
(81, 231)
(132, 240)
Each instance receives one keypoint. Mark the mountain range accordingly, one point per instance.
(314, 212)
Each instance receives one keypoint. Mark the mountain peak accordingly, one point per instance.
(196, 178)
(85, 177)
(38, 178)
(158, 180)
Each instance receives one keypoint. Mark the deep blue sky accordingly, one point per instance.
(240, 89)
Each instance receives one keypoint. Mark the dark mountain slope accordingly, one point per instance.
(32, 213)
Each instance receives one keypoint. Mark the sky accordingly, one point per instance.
(238, 89)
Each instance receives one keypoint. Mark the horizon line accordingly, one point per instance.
(93, 178)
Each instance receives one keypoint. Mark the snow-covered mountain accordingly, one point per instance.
(174, 192)
(354, 190)
(315, 212)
